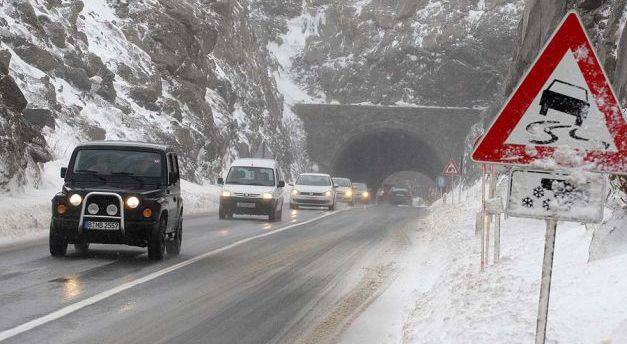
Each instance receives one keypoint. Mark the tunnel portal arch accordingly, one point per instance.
(348, 139)
(372, 156)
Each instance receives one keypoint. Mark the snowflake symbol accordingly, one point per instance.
(538, 192)
(546, 204)
(527, 202)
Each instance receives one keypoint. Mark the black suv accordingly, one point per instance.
(119, 193)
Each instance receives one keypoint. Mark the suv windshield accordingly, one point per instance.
(343, 182)
(246, 175)
(124, 163)
(313, 180)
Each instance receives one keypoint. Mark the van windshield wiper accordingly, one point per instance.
(91, 172)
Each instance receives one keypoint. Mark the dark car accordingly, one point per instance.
(119, 193)
(400, 196)
(551, 99)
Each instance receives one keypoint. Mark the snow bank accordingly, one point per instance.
(442, 296)
(25, 214)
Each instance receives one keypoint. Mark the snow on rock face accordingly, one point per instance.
(188, 73)
(398, 51)
(21, 146)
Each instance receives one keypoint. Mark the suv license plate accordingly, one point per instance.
(245, 205)
(102, 226)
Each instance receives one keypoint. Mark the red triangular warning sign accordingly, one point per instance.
(564, 100)
(451, 169)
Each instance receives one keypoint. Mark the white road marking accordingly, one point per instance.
(4, 335)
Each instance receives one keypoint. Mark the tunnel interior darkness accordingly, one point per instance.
(372, 157)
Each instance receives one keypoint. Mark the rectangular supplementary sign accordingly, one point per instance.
(559, 196)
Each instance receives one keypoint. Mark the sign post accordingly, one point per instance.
(452, 170)
(565, 118)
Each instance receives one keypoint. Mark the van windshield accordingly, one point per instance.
(247, 175)
(109, 164)
(307, 179)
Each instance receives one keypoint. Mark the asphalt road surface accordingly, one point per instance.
(237, 281)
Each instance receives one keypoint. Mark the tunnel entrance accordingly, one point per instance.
(374, 156)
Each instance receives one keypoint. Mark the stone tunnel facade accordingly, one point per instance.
(369, 143)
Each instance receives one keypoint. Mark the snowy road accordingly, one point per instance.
(276, 288)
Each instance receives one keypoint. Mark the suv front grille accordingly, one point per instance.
(251, 195)
(103, 201)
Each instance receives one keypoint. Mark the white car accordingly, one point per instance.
(313, 190)
(252, 187)
(344, 190)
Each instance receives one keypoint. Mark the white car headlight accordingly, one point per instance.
(328, 193)
(226, 193)
(349, 193)
(267, 195)
(76, 200)
(365, 194)
(295, 192)
(132, 202)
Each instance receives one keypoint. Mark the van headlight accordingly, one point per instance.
(76, 200)
(132, 202)
(267, 195)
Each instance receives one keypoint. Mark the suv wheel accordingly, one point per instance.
(82, 247)
(57, 243)
(332, 207)
(293, 206)
(156, 241)
(174, 246)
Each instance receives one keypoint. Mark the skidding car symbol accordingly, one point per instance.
(563, 103)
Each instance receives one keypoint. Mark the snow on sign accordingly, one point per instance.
(540, 194)
(564, 101)
(451, 169)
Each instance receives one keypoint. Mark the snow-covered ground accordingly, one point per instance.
(442, 296)
(25, 214)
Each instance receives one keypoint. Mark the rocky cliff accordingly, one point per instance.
(189, 73)
(447, 53)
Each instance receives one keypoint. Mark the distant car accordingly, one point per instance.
(313, 189)
(119, 193)
(400, 196)
(252, 187)
(578, 107)
(362, 195)
(344, 190)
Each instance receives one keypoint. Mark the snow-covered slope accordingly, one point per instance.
(189, 73)
(442, 296)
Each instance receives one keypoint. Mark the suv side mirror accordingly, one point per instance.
(63, 172)
(221, 181)
(281, 184)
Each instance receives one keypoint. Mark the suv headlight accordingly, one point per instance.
(349, 193)
(328, 193)
(132, 202)
(267, 195)
(226, 193)
(295, 192)
(76, 200)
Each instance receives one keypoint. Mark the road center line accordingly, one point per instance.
(4, 335)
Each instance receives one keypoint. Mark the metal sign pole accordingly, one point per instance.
(483, 214)
(545, 282)
(497, 237)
